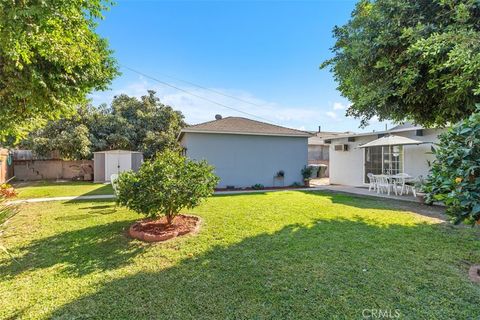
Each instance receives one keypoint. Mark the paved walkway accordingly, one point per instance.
(364, 192)
(111, 196)
(92, 197)
(335, 188)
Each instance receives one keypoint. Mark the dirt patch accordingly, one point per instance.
(474, 273)
(158, 230)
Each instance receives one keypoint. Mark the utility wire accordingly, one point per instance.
(199, 96)
(212, 90)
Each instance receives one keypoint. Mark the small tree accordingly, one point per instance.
(165, 185)
(454, 177)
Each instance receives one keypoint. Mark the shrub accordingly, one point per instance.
(307, 172)
(7, 211)
(258, 186)
(297, 184)
(454, 177)
(165, 185)
(7, 190)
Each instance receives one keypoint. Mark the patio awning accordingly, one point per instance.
(391, 140)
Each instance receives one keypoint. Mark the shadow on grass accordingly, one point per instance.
(105, 189)
(82, 251)
(372, 202)
(101, 209)
(333, 268)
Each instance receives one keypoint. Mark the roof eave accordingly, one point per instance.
(366, 134)
(300, 135)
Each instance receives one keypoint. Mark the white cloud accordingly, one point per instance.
(196, 109)
(339, 106)
(331, 115)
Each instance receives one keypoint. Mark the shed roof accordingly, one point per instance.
(239, 125)
(117, 151)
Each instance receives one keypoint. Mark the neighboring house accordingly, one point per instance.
(319, 150)
(245, 152)
(350, 164)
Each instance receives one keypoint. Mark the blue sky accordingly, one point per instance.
(264, 52)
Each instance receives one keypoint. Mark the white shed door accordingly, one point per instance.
(116, 163)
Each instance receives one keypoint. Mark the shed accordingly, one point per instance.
(106, 163)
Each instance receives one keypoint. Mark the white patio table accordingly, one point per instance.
(400, 180)
(393, 182)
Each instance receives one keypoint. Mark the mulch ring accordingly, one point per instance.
(158, 230)
(474, 273)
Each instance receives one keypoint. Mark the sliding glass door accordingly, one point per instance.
(383, 160)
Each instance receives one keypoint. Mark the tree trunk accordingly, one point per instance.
(170, 217)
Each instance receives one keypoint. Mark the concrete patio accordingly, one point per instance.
(324, 184)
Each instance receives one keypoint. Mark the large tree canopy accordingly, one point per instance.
(130, 123)
(50, 58)
(416, 60)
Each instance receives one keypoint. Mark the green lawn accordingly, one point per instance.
(42, 189)
(280, 255)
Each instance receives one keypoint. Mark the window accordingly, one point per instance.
(383, 160)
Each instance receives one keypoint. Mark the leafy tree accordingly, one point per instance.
(142, 124)
(165, 185)
(149, 125)
(69, 137)
(416, 60)
(455, 174)
(50, 58)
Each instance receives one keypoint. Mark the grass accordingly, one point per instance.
(281, 255)
(47, 189)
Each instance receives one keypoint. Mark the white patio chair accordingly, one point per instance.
(401, 181)
(371, 181)
(383, 184)
(113, 181)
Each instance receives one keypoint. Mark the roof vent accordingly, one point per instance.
(218, 116)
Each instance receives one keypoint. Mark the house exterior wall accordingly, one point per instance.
(245, 160)
(347, 167)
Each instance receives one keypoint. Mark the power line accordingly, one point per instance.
(212, 90)
(199, 96)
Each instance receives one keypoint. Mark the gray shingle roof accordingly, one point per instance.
(239, 125)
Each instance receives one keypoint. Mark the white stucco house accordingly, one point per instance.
(246, 152)
(350, 163)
